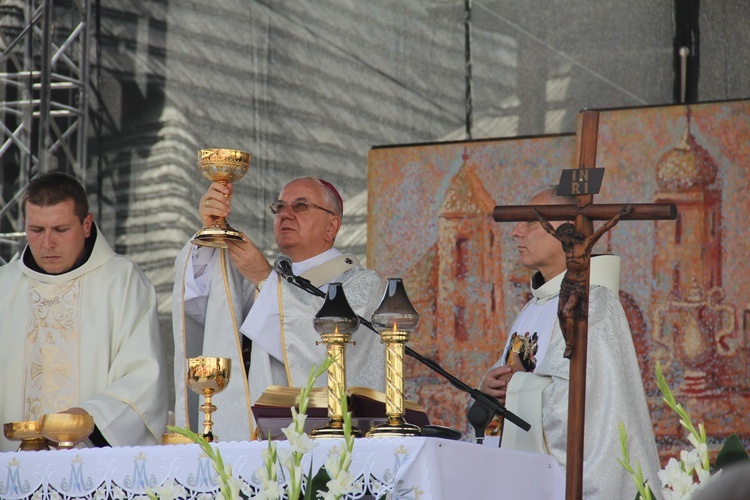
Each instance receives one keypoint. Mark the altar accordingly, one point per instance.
(403, 468)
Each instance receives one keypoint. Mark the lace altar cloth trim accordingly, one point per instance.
(423, 468)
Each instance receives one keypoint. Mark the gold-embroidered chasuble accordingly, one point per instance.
(52, 334)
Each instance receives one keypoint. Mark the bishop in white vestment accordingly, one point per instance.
(216, 305)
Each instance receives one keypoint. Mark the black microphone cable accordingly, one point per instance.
(283, 266)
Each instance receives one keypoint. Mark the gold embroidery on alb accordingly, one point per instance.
(52, 334)
(45, 367)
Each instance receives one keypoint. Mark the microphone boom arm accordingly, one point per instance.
(485, 399)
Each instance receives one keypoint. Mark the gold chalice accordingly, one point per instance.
(66, 429)
(225, 166)
(28, 432)
(207, 376)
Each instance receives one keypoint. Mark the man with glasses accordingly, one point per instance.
(222, 303)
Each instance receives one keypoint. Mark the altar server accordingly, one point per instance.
(80, 331)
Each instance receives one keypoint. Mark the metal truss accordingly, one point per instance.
(44, 86)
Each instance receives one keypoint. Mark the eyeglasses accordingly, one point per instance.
(298, 207)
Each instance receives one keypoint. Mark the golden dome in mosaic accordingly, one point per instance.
(687, 165)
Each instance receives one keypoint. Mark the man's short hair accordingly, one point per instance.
(53, 188)
(332, 197)
(558, 199)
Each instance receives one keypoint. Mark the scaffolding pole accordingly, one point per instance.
(45, 89)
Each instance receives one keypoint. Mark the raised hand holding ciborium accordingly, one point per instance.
(223, 166)
(207, 376)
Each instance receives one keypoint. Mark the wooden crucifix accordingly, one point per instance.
(574, 313)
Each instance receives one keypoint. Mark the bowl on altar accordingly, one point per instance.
(66, 429)
(29, 432)
(175, 438)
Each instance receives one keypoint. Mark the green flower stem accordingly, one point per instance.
(315, 372)
(213, 454)
(295, 481)
(669, 398)
(644, 492)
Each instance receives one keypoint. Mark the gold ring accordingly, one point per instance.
(207, 203)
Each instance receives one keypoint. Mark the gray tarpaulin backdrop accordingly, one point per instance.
(309, 86)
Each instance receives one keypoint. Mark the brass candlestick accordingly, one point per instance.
(395, 318)
(335, 322)
(208, 376)
(225, 166)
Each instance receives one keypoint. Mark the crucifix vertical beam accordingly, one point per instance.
(587, 141)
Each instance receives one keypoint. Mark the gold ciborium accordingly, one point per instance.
(207, 376)
(335, 322)
(225, 166)
(66, 429)
(28, 432)
(395, 318)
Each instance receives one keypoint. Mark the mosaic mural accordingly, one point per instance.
(683, 282)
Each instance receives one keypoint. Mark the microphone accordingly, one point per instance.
(479, 416)
(484, 403)
(283, 266)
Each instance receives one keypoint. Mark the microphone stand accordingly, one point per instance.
(480, 397)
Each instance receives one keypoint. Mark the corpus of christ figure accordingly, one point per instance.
(577, 246)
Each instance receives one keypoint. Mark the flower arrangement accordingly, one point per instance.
(332, 481)
(680, 479)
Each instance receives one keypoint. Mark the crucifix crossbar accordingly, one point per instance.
(578, 253)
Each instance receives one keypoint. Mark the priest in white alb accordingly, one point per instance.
(614, 389)
(80, 327)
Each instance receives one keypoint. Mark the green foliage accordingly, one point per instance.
(644, 491)
(691, 464)
(214, 454)
(731, 453)
(317, 483)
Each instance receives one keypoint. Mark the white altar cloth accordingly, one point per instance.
(403, 468)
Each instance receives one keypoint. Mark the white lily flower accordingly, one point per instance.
(327, 495)
(704, 475)
(169, 490)
(670, 472)
(690, 460)
(332, 464)
(299, 443)
(342, 484)
(285, 456)
(290, 430)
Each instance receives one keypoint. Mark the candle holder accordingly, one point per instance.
(395, 318)
(224, 166)
(207, 376)
(335, 322)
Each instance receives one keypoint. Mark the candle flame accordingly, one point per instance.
(395, 327)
